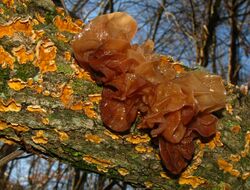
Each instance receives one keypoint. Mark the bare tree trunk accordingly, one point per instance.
(233, 63)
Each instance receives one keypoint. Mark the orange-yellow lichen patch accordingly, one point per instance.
(7, 141)
(112, 135)
(16, 84)
(143, 149)
(79, 22)
(40, 18)
(37, 88)
(9, 3)
(62, 135)
(247, 145)
(22, 55)
(1, 11)
(77, 106)
(195, 164)
(216, 141)
(36, 108)
(3, 125)
(227, 167)
(45, 121)
(61, 37)
(148, 184)
(194, 181)
(229, 108)
(38, 34)
(95, 98)
(93, 138)
(179, 68)
(245, 175)
(137, 139)
(67, 55)
(46, 93)
(6, 60)
(66, 24)
(88, 109)
(164, 175)
(40, 138)
(9, 105)
(30, 82)
(16, 25)
(67, 95)
(45, 56)
(235, 129)
(60, 10)
(80, 73)
(102, 164)
(18, 128)
(235, 157)
(123, 171)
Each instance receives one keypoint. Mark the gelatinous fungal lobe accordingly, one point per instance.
(176, 107)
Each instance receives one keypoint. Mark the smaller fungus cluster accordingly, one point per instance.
(175, 106)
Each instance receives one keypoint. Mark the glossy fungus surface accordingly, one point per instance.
(177, 107)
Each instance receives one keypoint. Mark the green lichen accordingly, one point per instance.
(4, 77)
(63, 67)
(25, 71)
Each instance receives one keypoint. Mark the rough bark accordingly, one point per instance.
(49, 106)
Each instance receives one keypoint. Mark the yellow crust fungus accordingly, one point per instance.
(9, 3)
(235, 157)
(67, 55)
(88, 109)
(40, 18)
(16, 127)
(62, 135)
(38, 34)
(93, 138)
(80, 73)
(16, 25)
(39, 137)
(66, 24)
(227, 167)
(235, 129)
(16, 84)
(123, 171)
(112, 135)
(45, 56)
(164, 175)
(148, 184)
(143, 149)
(101, 164)
(9, 105)
(194, 181)
(22, 55)
(95, 98)
(195, 164)
(61, 37)
(67, 95)
(1, 11)
(45, 121)
(137, 139)
(7, 141)
(6, 60)
(247, 145)
(245, 175)
(229, 108)
(36, 108)
(216, 141)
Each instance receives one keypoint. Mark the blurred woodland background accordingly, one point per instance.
(214, 34)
